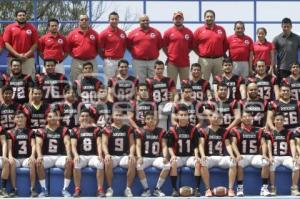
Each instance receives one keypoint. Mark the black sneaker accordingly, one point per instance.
(197, 192)
(175, 193)
(12, 194)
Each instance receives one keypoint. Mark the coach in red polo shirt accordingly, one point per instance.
(21, 41)
(178, 42)
(53, 45)
(241, 50)
(144, 44)
(112, 45)
(210, 43)
(82, 43)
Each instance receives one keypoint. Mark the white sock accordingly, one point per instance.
(43, 183)
(144, 183)
(66, 183)
(160, 183)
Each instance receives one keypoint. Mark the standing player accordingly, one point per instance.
(53, 149)
(21, 151)
(87, 151)
(267, 84)
(294, 81)
(282, 151)
(214, 139)
(247, 141)
(119, 149)
(182, 142)
(235, 84)
(290, 109)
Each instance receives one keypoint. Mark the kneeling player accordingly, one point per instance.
(213, 142)
(21, 151)
(280, 142)
(246, 143)
(184, 138)
(53, 149)
(119, 148)
(86, 149)
(150, 144)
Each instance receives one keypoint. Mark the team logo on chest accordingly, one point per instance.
(152, 35)
(92, 37)
(219, 32)
(28, 32)
(60, 41)
(122, 36)
(187, 37)
(247, 42)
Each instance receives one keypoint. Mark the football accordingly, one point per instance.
(220, 191)
(186, 191)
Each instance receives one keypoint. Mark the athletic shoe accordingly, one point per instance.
(4, 193)
(240, 191)
(231, 193)
(33, 193)
(65, 193)
(127, 192)
(146, 193)
(12, 194)
(264, 191)
(208, 193)
(175, 193)
(295, 191)
(76, 192)
(100, 193)
(44, 193)
(197, 192)
(158, 193)
(273, 191)
(109, 192)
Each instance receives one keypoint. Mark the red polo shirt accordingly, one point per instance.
(1, 42)
(179, 43)
(83, 45)
(263, 51)
(112, 42)
(53, 46)
(210, 42)
(240, 47)
(144, 45)
(20, 38)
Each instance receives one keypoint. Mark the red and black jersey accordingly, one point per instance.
(69, 114)
(21, 85)
(280, 141)
(290, 110)
(7, 114)
(200, 89)
(104, 114)
(123, 90)
(233, 85)
(248, 139)
(194, 109)
(118, 143)
(294, 85)
(53, 141)
(226, 109)
(265, 86)
(151, 141)
(21, 142)
(140, 108)
(258, 109)
(86, 139)
(160, 89)
(87, 89)
(183, 140)
(36, 118)
(214, 141)
(53, 86)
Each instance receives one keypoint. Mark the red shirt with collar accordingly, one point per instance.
(1, 42)
(179, 43)
(53, 46)
(144, 45)
(112, 42)
(210, 42)
(20, 38)
(262, 51)
(83, 45)
(240, 47)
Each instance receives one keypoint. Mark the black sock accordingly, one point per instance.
(240, 182)
(197, 179)
(4, 183)
(174, 182)
(264, 181)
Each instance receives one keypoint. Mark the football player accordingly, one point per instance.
(294, 81)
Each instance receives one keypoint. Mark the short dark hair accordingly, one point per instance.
(149, 113)
(286, 21)
(263, 29)
(19, 112)
(20, 10)
(113, 13)
(142, 84)
(158, 62)
(69, 87)
(123, 61)
(285, 85)
(182, 107)
(295, 64)
(278, 113)
(226, 61)
(37, 87)
(211, 11)
(7, 88)
(86, 64)
(239, 22)
(50, 60)
(195, 65)
(52, 20)
(185, 85)
(85, 110)
(221, 84)
(16, 60)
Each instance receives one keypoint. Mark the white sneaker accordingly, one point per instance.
(240, 191)
(158, 193)
(264, 191)
(146, 193)
(127, 192)
(109, 192)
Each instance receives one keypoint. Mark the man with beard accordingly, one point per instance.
(235, 83)
(294, 81)
(210, 44)
(21, 40)
(178, 43)
(53, 45)
(144, 44)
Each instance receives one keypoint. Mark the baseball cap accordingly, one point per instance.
(178, 13)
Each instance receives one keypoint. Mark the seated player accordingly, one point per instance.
(150, 146)
(182, 145)
(282, 151)
(215, 150)
(4, 163)
(21, 151)
(87, 151)
(119, 150)
(53, 149)
(247, 141)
